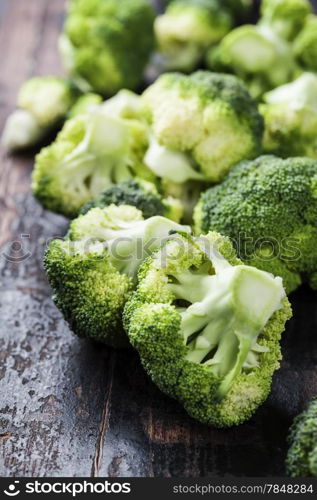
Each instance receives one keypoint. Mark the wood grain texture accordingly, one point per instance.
(70, 407)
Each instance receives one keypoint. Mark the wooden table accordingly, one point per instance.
(70, 407)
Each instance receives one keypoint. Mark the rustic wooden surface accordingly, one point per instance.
(69, 407)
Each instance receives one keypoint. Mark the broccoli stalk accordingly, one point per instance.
(171, 165)
(285, 17)
(125, 232)
(213, 323)
(93, 271)
(84, 104)
(43, 102)
(301, 459)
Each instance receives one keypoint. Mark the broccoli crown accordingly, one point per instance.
(187, 28)
(43, 103)
(202, 125)
(137, 193)
(93, 271)
(257, 55)
(268, 207)
(84, 104)
(301, 459)
(207, 327)
(305, 45)
(91, 153)
(290, 116)
(21, 131)
(286, 17)
(125, 104)
(107, 43)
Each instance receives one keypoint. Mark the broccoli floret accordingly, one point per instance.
(257, 55)
(106, 44)
(202, 125)
(91, 153)
(268, 208)
(84, 104)
(305, 45)
(140, 194)
(125, 104)
(285, 17)
(290, 116)
(186, 194)
(301, 459)
(188, 28)
(240, 9)
(207, 328)
(42, 102)
(93, 271)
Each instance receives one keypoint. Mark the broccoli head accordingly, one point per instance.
(301, 459)
(141, 194)
(43, 102)
(290, 116)
(257, 55)
(305, 45)
(202, 125)
(188, 28)
(207, 327)
(285, 17)
(92, 152)
(106, 44)
(93, 270)
(268, 208)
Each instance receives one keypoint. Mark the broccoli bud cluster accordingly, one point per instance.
(230, 150)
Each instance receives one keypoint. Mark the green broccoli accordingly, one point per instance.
(141, 194)
(240, 9)
(188, 28)
(257, 55)
(201, 126)
(305, 45)
(84, 103)
(43, 103)
(92, 152)
(207, 327)
(285, 17)
(106, 44)
(93, 270)
(301, 459)
(290, 116)
(268, 207)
